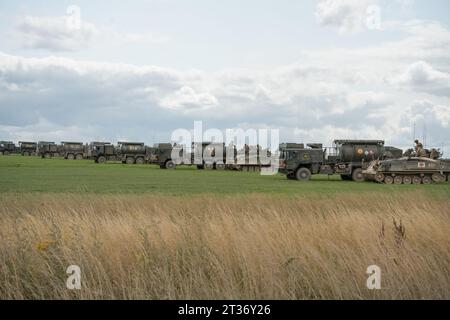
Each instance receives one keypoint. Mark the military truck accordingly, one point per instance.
(209, 155)
(92, 149)
(133, 152)
(7, 148)
(248, 158)
(105, 152)
(348, 158)
(73, 150)
(28, 148)
(161, 154)
(47, 149)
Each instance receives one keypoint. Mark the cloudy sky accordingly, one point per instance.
(138, 69)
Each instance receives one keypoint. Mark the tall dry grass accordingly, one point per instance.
(255, 247)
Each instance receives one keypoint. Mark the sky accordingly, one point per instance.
(136, 70)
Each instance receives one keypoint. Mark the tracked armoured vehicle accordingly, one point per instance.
(408, 170)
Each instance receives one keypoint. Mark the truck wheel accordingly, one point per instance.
(101, 159)
(303, 174)
(357, 175)
(140, 160)
(130, 160)
(70, 156)
(290, 176)
(170, 165)
(79, 157)
(47, 155)
(220, 166)
(209, 166)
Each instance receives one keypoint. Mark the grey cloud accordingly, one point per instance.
(53, 98)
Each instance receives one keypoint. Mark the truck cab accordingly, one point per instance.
(162, 154)
(104, 152)
(299, 162)
(47, 149)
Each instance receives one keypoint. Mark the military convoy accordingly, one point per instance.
(347, 158)
(356, 160)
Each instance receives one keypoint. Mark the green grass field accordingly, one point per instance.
(28, 175)
(139, 232)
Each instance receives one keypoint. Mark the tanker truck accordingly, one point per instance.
(347, 158)
(133, 152)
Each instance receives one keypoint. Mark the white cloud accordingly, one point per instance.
(187, 99)
(58, 34)
(349, 16)
(55, 34)
(422, 76)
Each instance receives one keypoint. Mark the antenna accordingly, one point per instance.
(424, 134)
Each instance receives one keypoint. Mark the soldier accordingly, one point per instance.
(435, 154)
(419, 148)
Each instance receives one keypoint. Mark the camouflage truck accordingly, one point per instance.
(73, 150)
(133, 152)
(28, 148)
(105, 152)
(47, 149)
(92, 149)
(7, 148)
(209, 155)
(162, 155)
(249, 158)
(348, 158)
